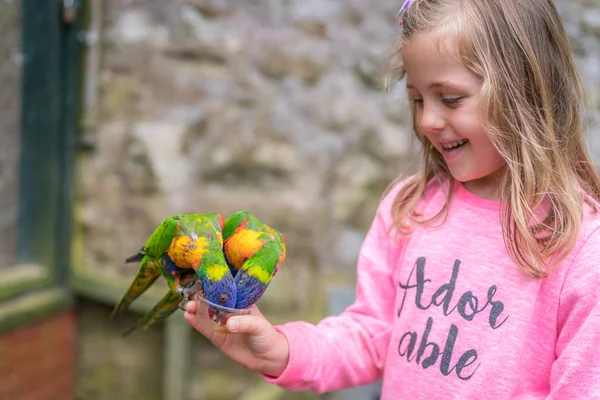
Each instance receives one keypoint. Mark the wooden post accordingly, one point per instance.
(177, 349)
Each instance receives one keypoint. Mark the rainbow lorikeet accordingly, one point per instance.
(254, 252)
(186, 250)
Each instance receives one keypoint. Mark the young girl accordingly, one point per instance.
(480, 275)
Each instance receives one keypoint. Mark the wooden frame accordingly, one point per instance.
(36, 285)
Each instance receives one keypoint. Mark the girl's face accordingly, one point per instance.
(446, 97)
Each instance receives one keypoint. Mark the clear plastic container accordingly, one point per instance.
(215, 316)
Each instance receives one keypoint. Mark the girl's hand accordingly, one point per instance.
(253, 343)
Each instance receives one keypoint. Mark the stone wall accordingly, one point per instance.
(272, 106)
(582, 21)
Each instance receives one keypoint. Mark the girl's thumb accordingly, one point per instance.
(250, 324)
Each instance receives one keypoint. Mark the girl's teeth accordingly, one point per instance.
(453, 145)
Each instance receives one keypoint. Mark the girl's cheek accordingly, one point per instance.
(418, 117)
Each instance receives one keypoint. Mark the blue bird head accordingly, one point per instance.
(249, 289)
(220, 292)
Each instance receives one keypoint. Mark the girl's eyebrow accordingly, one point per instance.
(441, 84)
(447, 84)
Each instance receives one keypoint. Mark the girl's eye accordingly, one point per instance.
(417, 100)
(452, 101)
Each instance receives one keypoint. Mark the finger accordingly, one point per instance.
(255, 311)
(250, 324)
(191, 316)
(191, 307)
(191, 319)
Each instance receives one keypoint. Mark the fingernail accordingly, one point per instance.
(233, 325)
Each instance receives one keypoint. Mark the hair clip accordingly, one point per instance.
(406, 4)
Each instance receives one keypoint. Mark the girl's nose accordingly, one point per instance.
(432, 119)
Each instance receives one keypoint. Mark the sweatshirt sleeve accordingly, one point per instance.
(349, 349)
(576, 371)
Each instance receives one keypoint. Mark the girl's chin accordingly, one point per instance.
(463, 176)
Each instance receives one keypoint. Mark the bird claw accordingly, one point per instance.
(187, 293)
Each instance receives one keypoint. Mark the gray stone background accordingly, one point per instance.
(274, 106)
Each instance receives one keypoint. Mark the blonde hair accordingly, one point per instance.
(531, 99)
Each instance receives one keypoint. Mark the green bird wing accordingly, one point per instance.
(163, 309)
(147, 273)
(162, 237)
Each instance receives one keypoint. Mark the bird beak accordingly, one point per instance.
(217, 316)
(223, 319)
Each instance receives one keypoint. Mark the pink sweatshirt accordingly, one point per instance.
(445, 314)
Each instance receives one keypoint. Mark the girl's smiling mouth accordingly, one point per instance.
(453, 150)
(449, 146)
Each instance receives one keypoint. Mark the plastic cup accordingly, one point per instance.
(215, 316)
